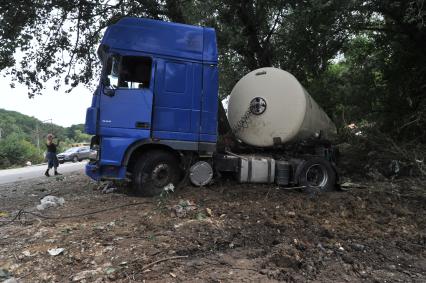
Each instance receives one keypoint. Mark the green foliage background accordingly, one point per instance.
(364, 61)
(18, 143)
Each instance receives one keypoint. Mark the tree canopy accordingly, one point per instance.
(363, 61)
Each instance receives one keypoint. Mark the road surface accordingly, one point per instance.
(30, 172)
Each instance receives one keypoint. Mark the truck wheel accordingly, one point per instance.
(153, 171)
(317, 174)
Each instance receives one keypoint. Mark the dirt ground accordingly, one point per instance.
(222, 233)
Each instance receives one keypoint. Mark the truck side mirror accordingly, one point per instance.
(106, 82)
(108, 89)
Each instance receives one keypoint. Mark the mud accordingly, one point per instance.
(231, 232)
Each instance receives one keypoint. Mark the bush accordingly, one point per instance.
(365, 151)
(15, 150)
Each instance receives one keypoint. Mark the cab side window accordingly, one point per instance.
(132, 72)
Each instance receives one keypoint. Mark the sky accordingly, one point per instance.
(65, 109)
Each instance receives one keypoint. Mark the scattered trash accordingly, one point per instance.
(291, 213)
(172, 274)
(4, 214)
(182, 209)
(11, 280)
(182, 224)
(4, 274)
(169, 188)
(394, 167)
(350, 185)
(209, 212)
(26, 253)
(109, 188)
(55, 252)
(28, 163)
(321, 247)
(110, 270)
(339, 247)
(85, 274)
(50, 201)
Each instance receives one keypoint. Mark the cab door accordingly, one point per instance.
(177, 100)
(126, 99)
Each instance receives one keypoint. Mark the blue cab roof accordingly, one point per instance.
(163, 38)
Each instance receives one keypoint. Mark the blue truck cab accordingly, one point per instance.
(156, 104)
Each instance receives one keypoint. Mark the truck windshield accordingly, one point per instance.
(131, 72)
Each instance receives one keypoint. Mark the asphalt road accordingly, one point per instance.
(30, 172)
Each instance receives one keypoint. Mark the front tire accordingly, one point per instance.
(153, 171)
(75, 159)
(317, 174)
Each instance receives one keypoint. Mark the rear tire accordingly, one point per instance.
(317, 175)
(153, 171)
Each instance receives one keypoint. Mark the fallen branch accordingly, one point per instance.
(25, 275)
(22, 212)
(161, 260)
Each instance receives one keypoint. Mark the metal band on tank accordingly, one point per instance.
(249, 167)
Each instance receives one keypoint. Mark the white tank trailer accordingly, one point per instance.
(269, 106)
(283, 135)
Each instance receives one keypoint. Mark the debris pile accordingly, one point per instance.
(50, 201)
(183, 209)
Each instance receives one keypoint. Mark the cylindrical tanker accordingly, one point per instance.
(269, 106)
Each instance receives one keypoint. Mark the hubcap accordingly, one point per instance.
(160, 175)
(316, 176)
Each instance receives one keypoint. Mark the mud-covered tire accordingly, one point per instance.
(153, 171)
(317, 174)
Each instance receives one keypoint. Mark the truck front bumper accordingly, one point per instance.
(105, 172)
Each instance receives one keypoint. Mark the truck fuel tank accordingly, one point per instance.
(256, 169)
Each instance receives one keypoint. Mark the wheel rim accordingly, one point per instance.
(160, 174)
(316, 176)
(75, 159)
